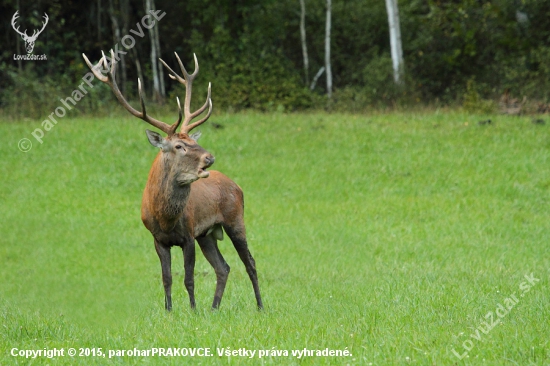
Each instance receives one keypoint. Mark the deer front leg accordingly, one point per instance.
(189, 266)
(166, 265)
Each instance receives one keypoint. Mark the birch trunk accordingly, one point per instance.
(317, 76)
(116, 40)
(124, 14)
(327, 50)
(303, 38)
(395, 40)
(158, 93)
(18, 45)
(99, 21)
(160, 68)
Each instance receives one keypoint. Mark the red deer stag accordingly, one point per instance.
(179, 207)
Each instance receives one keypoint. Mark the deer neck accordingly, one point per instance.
(164, 198)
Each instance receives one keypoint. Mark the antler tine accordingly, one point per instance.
(95, 69)
(110, 80)
(141, 101)
(172, 73)
(208, 102)
(187, 80)
(201, 109)
(173, 127)
(113, 66)
(196, 64)
(180, 118)
(184, 71)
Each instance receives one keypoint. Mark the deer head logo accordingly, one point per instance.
(29, 40)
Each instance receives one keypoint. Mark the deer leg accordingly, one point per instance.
(209, 247)
(189, 266)
(238, 237)
(166, 265)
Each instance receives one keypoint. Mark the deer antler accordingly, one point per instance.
(110, 80)
(187, 80)
(13, 20)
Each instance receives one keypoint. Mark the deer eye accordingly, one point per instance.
(179, 147)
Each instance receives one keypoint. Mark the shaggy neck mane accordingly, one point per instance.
(167, 198)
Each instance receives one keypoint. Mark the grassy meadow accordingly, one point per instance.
(392, 236)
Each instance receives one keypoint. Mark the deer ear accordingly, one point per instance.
(155, 139)
(196, 135)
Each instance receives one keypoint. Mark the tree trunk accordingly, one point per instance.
(99, 21)
(18, 45)
(317, 76)
(395, 40)
(303, 38)
(124, 14)
(327, 50)
(160, 68)
(158, 90)
(116, 40)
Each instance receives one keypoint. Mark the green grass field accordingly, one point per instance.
(400, 238)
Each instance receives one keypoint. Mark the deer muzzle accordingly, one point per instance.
(207, 162)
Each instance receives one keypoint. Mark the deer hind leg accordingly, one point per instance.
(189, 267)
(166, 265)
(238, 237)
(209, 247)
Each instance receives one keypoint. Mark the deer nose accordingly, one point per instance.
(209, 160)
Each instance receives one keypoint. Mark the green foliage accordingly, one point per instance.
(473, 103)
(378, 89)
(394, 242)
(251, 51)
(240, 84)
(529, 73)
(37, 94)
(27, 95)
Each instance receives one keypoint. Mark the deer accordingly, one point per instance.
(183, 201)
(29, 40)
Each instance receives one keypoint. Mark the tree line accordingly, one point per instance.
(272, 54)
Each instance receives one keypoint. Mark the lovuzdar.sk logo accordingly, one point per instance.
(29, 40)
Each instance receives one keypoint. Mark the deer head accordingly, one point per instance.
(182, 159)
(29, 41)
